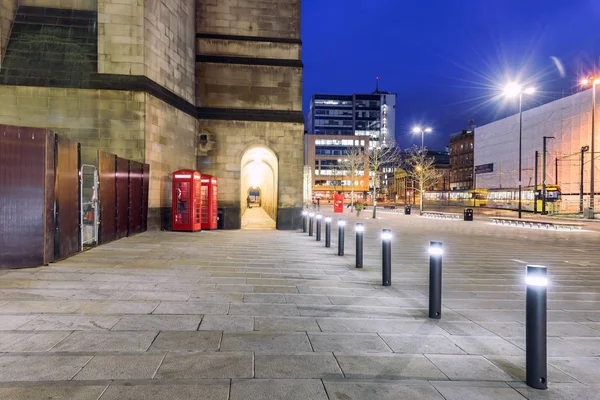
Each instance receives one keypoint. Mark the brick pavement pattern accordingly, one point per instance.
(276, 315)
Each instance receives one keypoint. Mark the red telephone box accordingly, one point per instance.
(187, 201)
(209, 202)
(338, 203)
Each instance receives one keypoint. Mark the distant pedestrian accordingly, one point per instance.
(248, 202)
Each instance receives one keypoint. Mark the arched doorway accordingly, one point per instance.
(259, 175)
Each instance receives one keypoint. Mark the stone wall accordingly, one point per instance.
(233, 138)
(249, 86)
(170, 146)
(155, 38)
(98, 119)
(121, 37)
(7, 15)
(169, 45)
(133, 125)
(91, 5)
(266, 18)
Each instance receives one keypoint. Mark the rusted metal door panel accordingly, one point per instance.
(107, 164)
(22, 174)
(136, 175)
(122, 197)
(145, 193)
(67, 223)
(49, 194)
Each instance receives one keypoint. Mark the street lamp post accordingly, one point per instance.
(594, 80)
(422, 131)
(583, 150)
(511, 90)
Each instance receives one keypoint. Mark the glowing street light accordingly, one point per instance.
(592, 80)
(422, 131)
(514, 89)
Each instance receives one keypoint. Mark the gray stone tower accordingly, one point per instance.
(207, 84)
(249, 98)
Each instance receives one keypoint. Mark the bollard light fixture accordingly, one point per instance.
(327, 219)
(305, 213)
(435, 279)
(386, 257)
(436, 249)
(536, 281)
(312, 214)
(319, 216)
(536, 327)
(341, 222)
(360, 228)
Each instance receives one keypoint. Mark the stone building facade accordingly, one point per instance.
(175, 84)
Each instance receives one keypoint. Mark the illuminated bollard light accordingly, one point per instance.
(341, 231)
(536, 327)
(360, 228)
(319, 218)
(386, 257)
(304, 216)
(311, 221)
(436, 250)
(327, 231)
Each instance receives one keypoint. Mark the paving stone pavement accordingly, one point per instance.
(276, 315)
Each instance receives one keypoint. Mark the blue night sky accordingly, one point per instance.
(446, 59)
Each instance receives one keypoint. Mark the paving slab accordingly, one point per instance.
(348, 342)
(40, 368)
(515, 366)
(558, 391)
(227, 323)
(286, 324)
(468, 367)
(264, 309)
(187, 341)
(191, 308)
(584, 369)
(11, 342)
(296, 366)
(121, 367)
(486, 345)
(49, 322)
(388, 366)
(158, 323)
(265, 342)
(275, 389)
(117, 307)
(12, 322)
(377, 390)
(206, 366)
(88, 341)
(411, 344)
(214, 389)
(476, 391)
(53, 390)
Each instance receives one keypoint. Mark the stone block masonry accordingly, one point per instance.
(133, 125)
(7, 15)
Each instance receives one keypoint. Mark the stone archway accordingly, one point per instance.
(259, 171)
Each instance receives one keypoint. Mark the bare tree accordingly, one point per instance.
(354, 163)
(381, 157)
(421, 168)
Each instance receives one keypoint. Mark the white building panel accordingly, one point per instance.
(567, 119)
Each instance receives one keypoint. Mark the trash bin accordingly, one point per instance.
(220, 218)
(588, 213)
(406, 210)
(468, 214)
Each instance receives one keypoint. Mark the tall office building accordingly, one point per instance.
(371, 115)
(358, 122)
